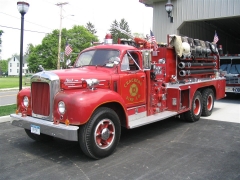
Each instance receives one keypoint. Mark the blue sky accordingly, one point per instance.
(43, 16)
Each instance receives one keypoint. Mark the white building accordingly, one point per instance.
(14, 66)
(198, 19)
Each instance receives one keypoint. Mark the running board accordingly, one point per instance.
(151, 119)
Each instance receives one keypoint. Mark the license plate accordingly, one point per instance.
(35, 129)
(236, 89)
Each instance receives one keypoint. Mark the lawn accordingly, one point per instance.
(9, 109)
(10, 82)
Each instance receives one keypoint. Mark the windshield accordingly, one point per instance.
(232, 66)
(98, 57)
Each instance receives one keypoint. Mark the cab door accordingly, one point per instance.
(132, 81)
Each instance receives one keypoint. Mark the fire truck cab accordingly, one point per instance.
(129, 84)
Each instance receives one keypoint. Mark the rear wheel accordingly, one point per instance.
(208, 102)
(99, 137)
(39, 138)
(195, 112)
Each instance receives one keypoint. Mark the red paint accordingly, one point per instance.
(127, 92)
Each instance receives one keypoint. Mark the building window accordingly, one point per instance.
(10, 70)
(10, 64)
(17, 64)
(17, 70)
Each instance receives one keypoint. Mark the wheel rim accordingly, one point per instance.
(210, 102)
(104, 133)
(197, 106)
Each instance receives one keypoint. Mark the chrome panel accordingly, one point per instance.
(54, 85)
(61, 131)
(137, 116)
(150, 119)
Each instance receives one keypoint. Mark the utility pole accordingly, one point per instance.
(60, 33)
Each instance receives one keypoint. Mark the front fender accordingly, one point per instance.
(20, 96)
(80, 104)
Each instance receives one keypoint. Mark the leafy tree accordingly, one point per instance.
(1, 31)
(140, 35)
(90, 27)
(3, 67)
(46, 54)
(29, 47)
(123, 24)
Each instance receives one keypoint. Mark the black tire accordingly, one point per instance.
(208, 102)
(39, 138)
(99, 137)
(195, 112)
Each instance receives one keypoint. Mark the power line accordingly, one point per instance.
(26, 20)
(24, 29)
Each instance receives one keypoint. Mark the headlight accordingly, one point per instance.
(25, 101)
(61, 107)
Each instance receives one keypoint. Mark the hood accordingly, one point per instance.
(72, 78)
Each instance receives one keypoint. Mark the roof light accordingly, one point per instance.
(108, 39)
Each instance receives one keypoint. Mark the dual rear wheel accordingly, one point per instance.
(202, 104)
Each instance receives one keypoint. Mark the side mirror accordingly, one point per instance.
(68, 64)
(115, 60)
(146, 56)
(40, 68)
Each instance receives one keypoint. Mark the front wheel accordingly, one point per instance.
(195, 112)
(208, 102)
(99, 137)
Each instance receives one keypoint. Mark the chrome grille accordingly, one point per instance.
(44, 86)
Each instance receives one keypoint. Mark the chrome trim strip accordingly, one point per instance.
(151, 119)
(61, 131)
(169, 85)
(136, 107)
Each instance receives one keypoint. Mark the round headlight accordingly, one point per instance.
(61, 107)
(25, 101)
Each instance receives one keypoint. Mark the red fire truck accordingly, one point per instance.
(129, 84)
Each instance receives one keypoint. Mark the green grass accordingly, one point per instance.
(9, 109)
(10, 82)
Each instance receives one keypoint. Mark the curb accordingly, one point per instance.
(5, 119)
(9, 89)
(15, 88)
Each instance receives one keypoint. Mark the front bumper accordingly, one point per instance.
(232, 89)
(61, 131)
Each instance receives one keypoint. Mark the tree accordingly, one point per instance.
(46, 54)
(1, 31)
(29, 47)
(90, 27)
(123, 24)
(3, 67)
(139, 35)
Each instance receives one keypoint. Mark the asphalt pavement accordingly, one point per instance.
(169, 149)
(166, 150)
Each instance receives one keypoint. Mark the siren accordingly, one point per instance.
(108, 39)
